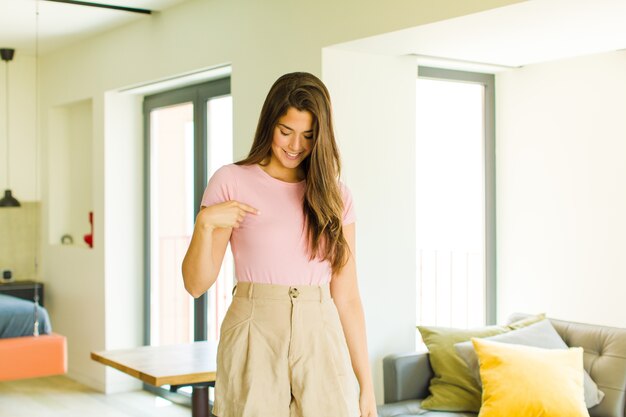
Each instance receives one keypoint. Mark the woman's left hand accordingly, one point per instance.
(367, 403)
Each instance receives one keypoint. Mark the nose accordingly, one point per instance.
(296, 143)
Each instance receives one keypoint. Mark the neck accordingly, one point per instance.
(284, 174)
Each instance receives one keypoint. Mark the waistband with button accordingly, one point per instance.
(282, 292)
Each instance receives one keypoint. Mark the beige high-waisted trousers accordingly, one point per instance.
(282, 353)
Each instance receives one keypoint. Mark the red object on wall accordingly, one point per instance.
(89, 238)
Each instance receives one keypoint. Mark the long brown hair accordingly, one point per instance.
(323, 204)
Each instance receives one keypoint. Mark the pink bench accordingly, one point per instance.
(32, 356)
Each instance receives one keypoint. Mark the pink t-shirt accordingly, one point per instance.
(270, 247)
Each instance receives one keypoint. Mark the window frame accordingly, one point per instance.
(489, 154)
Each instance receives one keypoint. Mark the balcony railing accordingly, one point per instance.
(450, 288)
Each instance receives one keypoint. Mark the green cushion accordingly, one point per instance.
(453, 387)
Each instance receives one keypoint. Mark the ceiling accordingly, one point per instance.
(511, 36)
(61, 24)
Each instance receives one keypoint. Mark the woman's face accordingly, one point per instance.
(293, 139)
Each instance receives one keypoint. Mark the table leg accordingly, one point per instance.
(200, 401)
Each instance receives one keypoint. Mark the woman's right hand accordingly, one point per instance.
(227, 214)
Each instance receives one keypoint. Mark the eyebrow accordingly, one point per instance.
(283, 125)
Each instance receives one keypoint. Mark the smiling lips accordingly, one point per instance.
(292, 155)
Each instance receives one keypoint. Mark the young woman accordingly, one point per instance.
(293, 339)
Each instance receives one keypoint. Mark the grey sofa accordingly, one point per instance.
(407, 375)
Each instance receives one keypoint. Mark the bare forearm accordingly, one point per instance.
(198, 265)
(353, 323)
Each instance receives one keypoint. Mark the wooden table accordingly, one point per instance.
(191, 364)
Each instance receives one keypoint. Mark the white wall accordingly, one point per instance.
(373, 99)
(561, 205)
(21, 127)
(261, 41)
(68, 177)
(123, 204)
(74, 275)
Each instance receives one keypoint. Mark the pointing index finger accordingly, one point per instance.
(249, 208)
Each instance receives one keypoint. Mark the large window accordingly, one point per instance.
(188, 137)
(455, 199)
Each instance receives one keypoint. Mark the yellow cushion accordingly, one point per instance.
(524, 381)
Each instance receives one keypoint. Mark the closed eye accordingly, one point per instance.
(288, 133)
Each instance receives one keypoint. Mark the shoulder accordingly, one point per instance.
(224, 178)
(236, 176)
(222, 186)
(226, 169)
(345, 190)
(349, 214)
(235, 169)
(225, 173)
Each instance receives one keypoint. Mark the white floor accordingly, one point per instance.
(59, 396)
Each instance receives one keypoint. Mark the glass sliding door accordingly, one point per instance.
(188, 135)
(171, 204)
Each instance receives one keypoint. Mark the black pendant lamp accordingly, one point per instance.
(8, 200)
